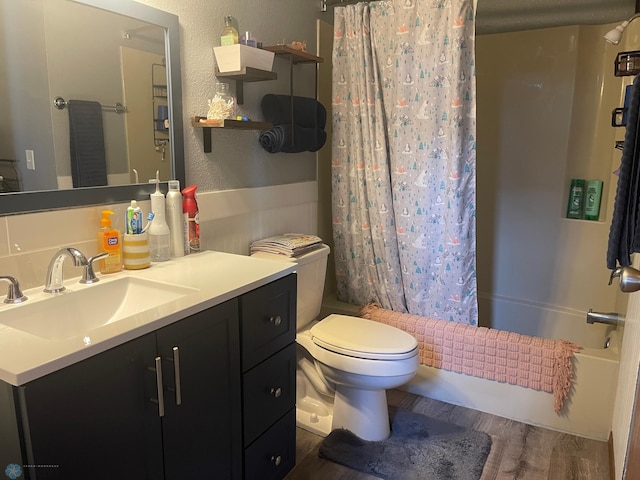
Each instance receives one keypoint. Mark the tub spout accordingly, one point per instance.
(612, 318)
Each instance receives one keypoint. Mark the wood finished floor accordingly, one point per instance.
(519, 451)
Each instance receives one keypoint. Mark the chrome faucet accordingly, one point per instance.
(14, 294)
(611, 318)
(54, 279)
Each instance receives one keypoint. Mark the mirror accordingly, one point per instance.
(121, 58)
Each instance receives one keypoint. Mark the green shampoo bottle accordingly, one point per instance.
(592, 200)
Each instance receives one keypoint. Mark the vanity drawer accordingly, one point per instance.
(269, 391)
(268, 320)
(273, 454)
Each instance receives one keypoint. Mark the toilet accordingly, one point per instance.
(345, 364)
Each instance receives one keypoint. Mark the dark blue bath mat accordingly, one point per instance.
(419, 448)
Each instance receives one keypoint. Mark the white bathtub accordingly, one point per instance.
(588, 409)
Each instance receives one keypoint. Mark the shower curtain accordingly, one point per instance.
(403, 156)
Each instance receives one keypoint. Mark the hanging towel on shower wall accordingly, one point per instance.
(88, 159)
(624, 234)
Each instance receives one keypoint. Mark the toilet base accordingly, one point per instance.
(363, 412)
(313, 422)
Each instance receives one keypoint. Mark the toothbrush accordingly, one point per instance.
(149, 220)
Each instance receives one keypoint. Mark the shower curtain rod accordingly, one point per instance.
(336, 3)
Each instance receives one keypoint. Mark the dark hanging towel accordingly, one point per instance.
(307, 112)
(279, 139)
(302, 132)
(88, 160)
(624, 234)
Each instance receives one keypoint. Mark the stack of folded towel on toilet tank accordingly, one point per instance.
(287, 244)
(298, 124)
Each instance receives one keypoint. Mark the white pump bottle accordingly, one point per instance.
(159, 233)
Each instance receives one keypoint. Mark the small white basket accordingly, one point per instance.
(233, 58)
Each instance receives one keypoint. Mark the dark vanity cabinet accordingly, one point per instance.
(268, 330)
(177, 403)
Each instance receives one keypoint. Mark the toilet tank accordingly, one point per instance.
(311, 271)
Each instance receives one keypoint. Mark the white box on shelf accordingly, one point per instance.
(233, 58)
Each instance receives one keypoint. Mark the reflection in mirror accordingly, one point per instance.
(90, 88)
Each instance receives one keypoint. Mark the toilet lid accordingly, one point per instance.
(359, 337)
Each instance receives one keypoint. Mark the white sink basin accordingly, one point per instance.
(75, 313)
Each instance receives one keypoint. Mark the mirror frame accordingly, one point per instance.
(26, 202)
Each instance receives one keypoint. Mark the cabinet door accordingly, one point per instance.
(94, 419)
(202, 422)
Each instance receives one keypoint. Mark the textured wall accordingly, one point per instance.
(496, 16)
(237, 160)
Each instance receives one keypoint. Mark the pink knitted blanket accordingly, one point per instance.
(539, 363)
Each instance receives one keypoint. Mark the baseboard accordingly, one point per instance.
(612, 463)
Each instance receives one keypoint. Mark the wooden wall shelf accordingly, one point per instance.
(226, 124)
(298, 56)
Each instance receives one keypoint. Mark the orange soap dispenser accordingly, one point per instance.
(109, 241)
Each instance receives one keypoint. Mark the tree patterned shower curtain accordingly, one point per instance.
(404, 156)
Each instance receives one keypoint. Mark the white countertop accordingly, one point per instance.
(215, 277)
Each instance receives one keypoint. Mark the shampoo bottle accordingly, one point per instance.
(159, 233)
(190, 209)
(109, 241)
(592, 200)
(575, 208)
(175, 218)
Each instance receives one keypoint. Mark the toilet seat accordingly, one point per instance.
(361, 338)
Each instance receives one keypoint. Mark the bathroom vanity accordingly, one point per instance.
(203, 386)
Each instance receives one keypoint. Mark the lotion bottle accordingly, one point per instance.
(175, 218)
(229, 34)
(109, 241)
(159, 233)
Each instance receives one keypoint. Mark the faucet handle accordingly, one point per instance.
(615, 273)
(14, 294)
(88, 275)
(629, 278)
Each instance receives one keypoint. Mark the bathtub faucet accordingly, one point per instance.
(612, 318)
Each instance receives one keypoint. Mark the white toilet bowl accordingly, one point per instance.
(345, 363)
(357, 360)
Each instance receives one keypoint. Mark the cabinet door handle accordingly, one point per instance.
(176, 373)
(160, 399)
(277, 320)
(276, 460)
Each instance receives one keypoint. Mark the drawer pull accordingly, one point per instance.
(160, 399)
(276, 392)
(277, 320)
(276, 460)
(176, 373)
